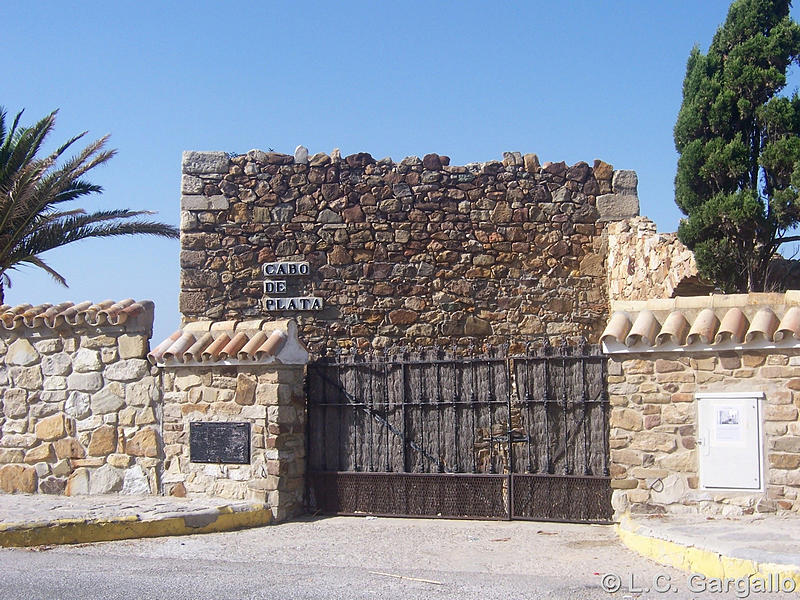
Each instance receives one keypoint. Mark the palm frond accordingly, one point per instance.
(32, 188)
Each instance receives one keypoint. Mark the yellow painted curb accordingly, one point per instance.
(698, 560)
(78, 531)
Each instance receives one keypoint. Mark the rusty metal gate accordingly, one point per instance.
(432, 433)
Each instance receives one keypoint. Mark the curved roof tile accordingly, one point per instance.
(617, 329)
(704, 323)
(644, 329)
(68, 313)
(789, 326)
(704, 328)
(763, 326)
(674, 329)
(733, 327)
(231, 342)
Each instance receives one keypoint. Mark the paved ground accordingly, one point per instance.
(367, 557)
(40, 519)
(772, 539)
(340, 557)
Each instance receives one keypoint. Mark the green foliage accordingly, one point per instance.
(33, 193)
(738, 176)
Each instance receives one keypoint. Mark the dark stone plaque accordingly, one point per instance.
(214, 442)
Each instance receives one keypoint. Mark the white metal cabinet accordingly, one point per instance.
(729, 437)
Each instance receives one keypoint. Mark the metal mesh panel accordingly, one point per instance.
(562, 498)
(405, 494)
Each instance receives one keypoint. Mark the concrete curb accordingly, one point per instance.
(79, 531)
(694, 559)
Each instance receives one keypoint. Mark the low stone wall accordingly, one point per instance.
(80, 406)
(654, 429)
(663, 354)
(271, 399)
(257, 380)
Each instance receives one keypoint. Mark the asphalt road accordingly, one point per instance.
(349, 557)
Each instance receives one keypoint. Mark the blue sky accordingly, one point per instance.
(569, 81)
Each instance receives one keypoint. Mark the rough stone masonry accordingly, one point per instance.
(412, 253)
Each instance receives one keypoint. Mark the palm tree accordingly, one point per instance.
(33, 193)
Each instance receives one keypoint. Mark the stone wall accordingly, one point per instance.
(654, 429)
(272, 400)
(416, 252)
(232, 374)
(80, 407)
(644, 264)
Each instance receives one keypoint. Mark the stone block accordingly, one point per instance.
(685, 462)
(787, 444)
(48, 346)
(185, 381)
(40, 453)
(52, 485)
(668, 366)
(11, 455)
(135, 481)
(17, 479)
(678, 414)
(51, 428)
(18, 440)
(780, 412)
(21, 353)
(96, 342)
(103, 441)
(784, 461)
(108, 400)
(15, 403)
(85, 382)
(617, 206)
(29, 378)
(531, 162)
(62, 468)
(191, 184)
(78, 483)
(145, 416)
(20, 426)
(105, 480)
(143, 443)
(78, 405)
(624, 484)
(626, 457)
(54, 382)
(68, 448)
(653, 441)
(56, 364)
(87, 361)
(204, 203)
(267, 393)
(257, 412)
(131, 369)
(246, 386)
(625, 418)
(205, 163)
(132, 346)
(625, 183)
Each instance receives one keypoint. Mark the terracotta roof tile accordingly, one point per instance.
(231, 342)
(704, 322)
(69, 313)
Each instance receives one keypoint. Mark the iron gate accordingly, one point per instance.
(431, 433)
